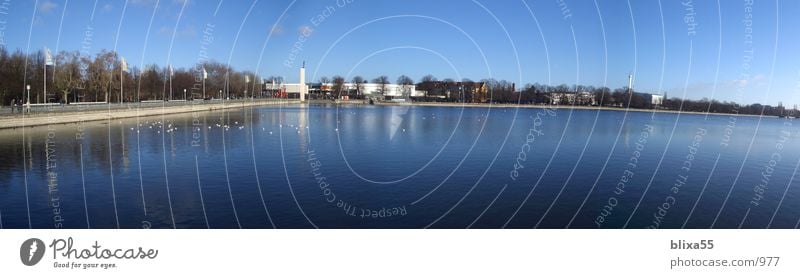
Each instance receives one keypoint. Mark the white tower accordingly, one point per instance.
(630, 83)
(303, 87)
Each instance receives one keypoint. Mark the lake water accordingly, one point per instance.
(353, 166)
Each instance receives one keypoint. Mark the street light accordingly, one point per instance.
(28, 101)
(220, 94)
(184, 94)
(247, 83)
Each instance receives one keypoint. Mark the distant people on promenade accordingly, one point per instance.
(16, 105)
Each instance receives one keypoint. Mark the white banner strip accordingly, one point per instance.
(399, 253)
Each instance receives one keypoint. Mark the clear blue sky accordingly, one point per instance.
(456, 39)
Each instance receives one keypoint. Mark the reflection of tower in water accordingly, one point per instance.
(172, 140)
(303, 129)
(205, 133)
(30, 153)
(626, 136)
(124, 148)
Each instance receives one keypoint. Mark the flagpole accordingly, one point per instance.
(47, 59)
(123, 67)
(170, 82)
(45, 80)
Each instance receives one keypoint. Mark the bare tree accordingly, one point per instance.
(338, 85)
(12, 72)
(428, 84)
(359, 82)
(383, 80)
(67, 75)
(152, 83)
(183, 82)
(429, 78)
(100, 74)
(405, 81)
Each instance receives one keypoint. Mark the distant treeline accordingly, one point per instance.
(503, 91)
(78, 77)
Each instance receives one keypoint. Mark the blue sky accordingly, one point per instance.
(456, 39)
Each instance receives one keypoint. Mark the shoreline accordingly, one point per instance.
(564, 107)
(43, 119)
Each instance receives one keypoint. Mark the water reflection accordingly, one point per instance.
(377, 159)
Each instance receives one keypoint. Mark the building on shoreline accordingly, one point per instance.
(347, 91)
(467, 91)
(582, 98)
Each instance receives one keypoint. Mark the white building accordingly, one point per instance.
(373, 89)
(656, 99)
(302, 89)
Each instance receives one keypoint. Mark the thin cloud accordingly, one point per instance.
(143, 3)
(276, 30)
(755, 80)
(187, 32)
(107, 8)
(165, 31)
(47, 6)
(38, 21)
(305, 30)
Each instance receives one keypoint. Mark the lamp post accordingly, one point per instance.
(184, 95)
(28, 100)
(170, 88)
(205, 75)
(220, 94)
(247, 83)
(48, 61)
(123, 68)
(171, 73)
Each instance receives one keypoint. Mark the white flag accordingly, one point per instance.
(205, 73)
(171, 73)
(48, 57)
(246, 79)
(124, 64)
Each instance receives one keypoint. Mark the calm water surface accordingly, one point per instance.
(354, 166)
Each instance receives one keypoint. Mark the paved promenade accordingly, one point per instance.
(61, 114)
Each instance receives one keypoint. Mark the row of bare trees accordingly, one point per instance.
(75, 77)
